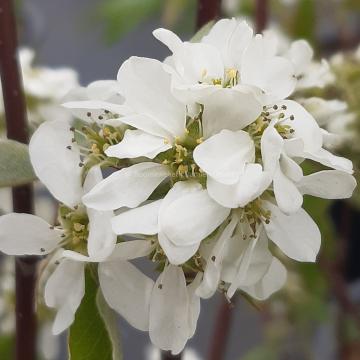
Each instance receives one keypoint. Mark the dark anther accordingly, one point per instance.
(292, 117)
(264, 107)
(88, 114)
(72, 129)
(275, 107)
(100, 117)
(42, 249)
(73, 140)
(51, 227)
(76, 207)
(267, 113)
(267, 221)
(292, 131)
(63, 235)
(106, 111)
(283, 107)
(83, 128)
(68, 147)
(213, 258)
(57, 262)
(160, 286)
(81, 164)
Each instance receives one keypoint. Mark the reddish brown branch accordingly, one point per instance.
(222, 330)
(261, 15)
(207, 10)
(15, 112)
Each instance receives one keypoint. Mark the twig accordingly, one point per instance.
(207, 10)
(221, 333)
(15, 111)
(261, 15)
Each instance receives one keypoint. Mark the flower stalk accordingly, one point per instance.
(15, 111)
(207, 10)
(261, 15)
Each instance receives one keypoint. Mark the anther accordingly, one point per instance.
(292, 117)
(42, 249)
(106, 111)
(275, 107)
(72, 129)
(160, 286)
(88, 114)
(284, 107)
(57, 262)
(69, 147)
(213, 258)
(81, 164)
(51, 227)
(281, 116)
(267, 221)
(100, 117)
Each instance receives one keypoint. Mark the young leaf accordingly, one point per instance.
(202, 32)
(15, 165)
(93, 335)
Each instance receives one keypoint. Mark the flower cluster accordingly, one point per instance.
(203, 156)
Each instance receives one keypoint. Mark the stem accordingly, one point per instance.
(222, 329)
(261, 15)
(15, 112)
(207, 10)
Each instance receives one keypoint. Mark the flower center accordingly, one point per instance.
(231, 78)
(75, 228)
(93, 140)
(180, 157)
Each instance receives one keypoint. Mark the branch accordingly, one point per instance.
(222, 330)
(207, 10)
(15, 112)
(261, 15)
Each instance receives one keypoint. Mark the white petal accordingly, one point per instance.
(287, 195)
(273, 281)
(273, 74)
(326, 158)
(168, 38)
(137, 143)
(296, 235)
(90, 110)
(300, 54)
(290, 168)
(271, 148)
(328, 184)
(250, 186)
(132, 249)
(64, 291)
(239, 104)
(231, 37)
(305, 126)
(127, 290)
(191, 218)
(24, 234)
(141, 220)
(169, 321)
(106, 90)
(213, 267)
(194, 303)
(176, 255)
(147, 90)
(224, 155)
(56, 166)
(127, 187)
(93, 177)
(101, 239)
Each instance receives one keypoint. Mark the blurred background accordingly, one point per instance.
(317, 314)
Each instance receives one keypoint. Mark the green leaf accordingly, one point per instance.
(203, 31)
(94, 334)
(15, 165)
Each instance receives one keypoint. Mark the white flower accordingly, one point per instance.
(229, 56)
(85, 234)
(182, 220)
(304, 140)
